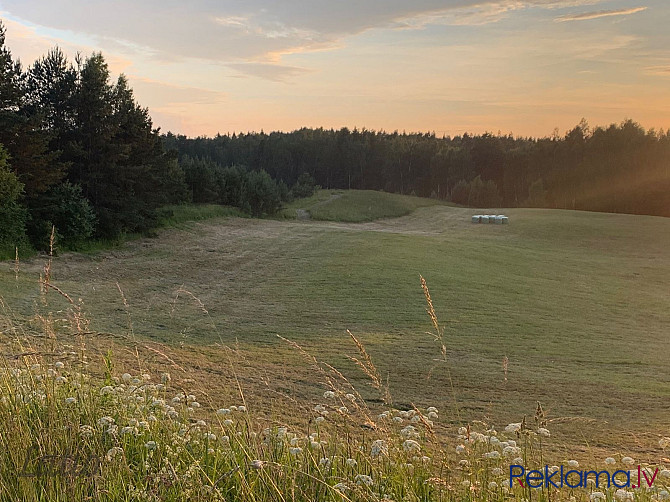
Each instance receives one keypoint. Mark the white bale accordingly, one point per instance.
(499, 219)
(485, 218)
(492, 218)
(476, 218)
(505, 220)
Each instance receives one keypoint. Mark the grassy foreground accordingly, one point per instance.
(75, 431)
(574, 303)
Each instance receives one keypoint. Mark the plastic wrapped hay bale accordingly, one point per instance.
(492, 218)
(476, 218)
(485, 218)
(499, 219)
(505, 220)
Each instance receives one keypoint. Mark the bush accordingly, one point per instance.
(12, 213)
(304, 187)
(461, 192)
(66, 208)
(262, 194)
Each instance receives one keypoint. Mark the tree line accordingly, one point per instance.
(77, 152)
(619, 168)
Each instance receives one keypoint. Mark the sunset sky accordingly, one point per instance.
(450, 66)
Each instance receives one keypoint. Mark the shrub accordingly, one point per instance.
(65, 207)
(261, 193)
(304, 186)
(461, 192)
(12, 213)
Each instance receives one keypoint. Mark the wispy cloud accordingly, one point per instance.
(269, 71)
(663, 71)
(598, 14)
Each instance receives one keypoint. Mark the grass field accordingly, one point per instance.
(356, 206)
(577, 302)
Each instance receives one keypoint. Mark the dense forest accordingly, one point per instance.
(78, 153)
(620, 168)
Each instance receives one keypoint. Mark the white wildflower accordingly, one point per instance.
(610, 461)
(623, 496)
(412, 446)
(432, 415)
(151, 445)
(493, 485)
(329, 394)
(295, 451)
(378, 448)
(597, 496)
(492, 454)
(573, 463)
(59, 365)
(70, 400)
(627, 461)
(543, 432)
(515, 427)
(409, 432)
(350, 462)
(362, 479)
(112, 453)
(510, 451)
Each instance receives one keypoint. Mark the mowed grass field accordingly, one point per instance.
(578, 302)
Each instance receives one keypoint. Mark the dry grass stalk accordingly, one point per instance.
(439, 331)
(16, 264)
(368, 367)
(127, 308)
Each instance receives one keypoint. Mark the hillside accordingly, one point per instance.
(576, 301)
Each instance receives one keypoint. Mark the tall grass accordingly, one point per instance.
(71, 429)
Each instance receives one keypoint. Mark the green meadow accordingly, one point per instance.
(576, 302)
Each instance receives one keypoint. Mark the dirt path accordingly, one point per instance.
(304, 214)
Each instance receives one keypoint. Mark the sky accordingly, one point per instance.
(525, 67)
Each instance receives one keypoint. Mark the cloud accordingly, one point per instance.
(663, 71)
(598, 14)
(229, 31)
(269, 71)
(154, 91)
